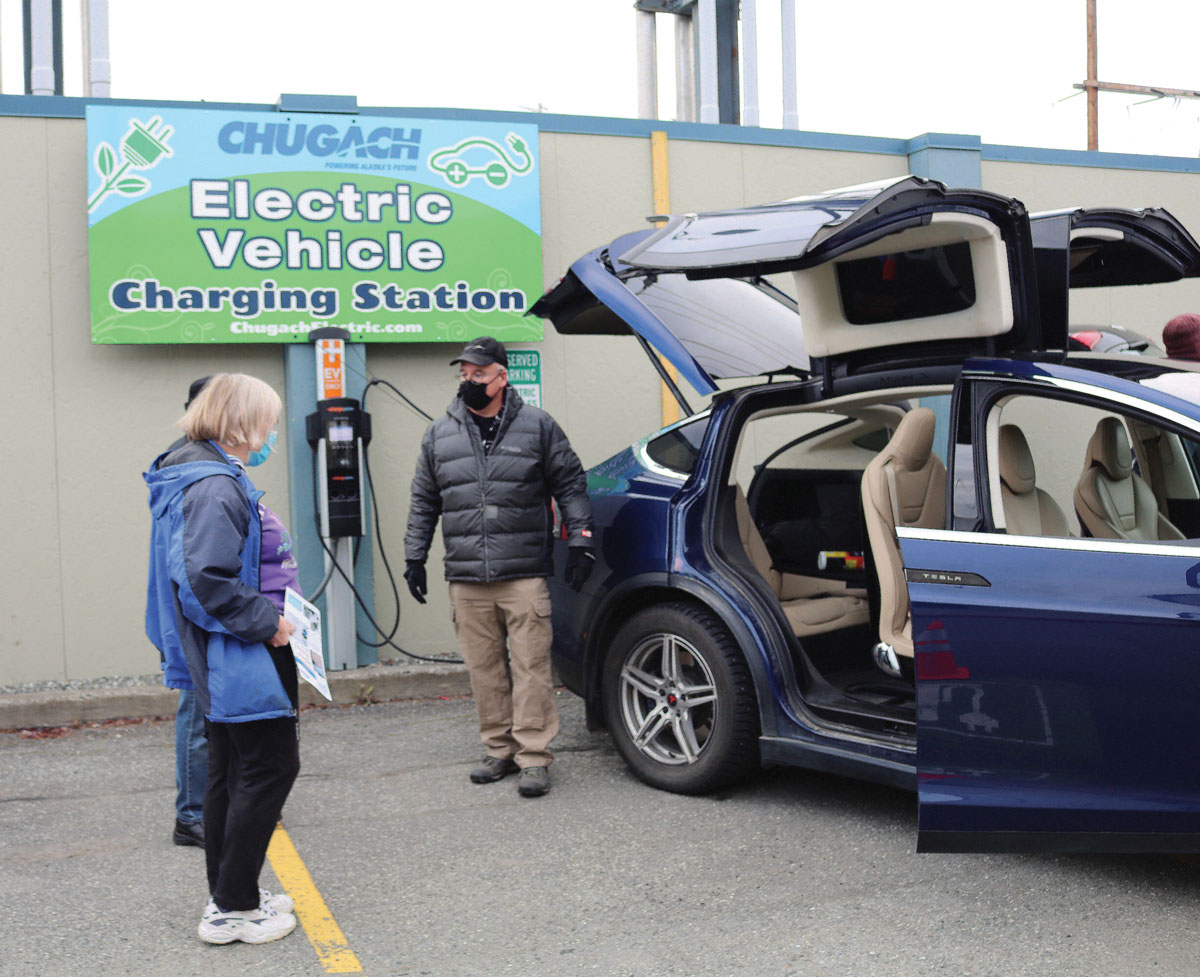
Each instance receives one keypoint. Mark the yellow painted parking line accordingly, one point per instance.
(319, 925)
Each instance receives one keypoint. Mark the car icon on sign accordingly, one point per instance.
(479, 157)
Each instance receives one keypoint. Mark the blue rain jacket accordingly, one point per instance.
(204, 611)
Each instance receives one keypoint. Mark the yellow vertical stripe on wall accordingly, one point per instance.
(661, 183)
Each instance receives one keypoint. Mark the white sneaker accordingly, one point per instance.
(261, 925)
(281, 902)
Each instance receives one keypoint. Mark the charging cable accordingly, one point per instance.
(334, 566)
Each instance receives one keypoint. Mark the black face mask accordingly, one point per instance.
(474, 395)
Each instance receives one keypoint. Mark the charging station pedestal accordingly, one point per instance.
(337, 431)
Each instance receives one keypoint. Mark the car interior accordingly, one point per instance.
(818, 492)
(1094, 474)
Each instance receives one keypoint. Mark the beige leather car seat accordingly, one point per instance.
(904, 485)
(812, 605)
(1112, 501)
(1028, 510)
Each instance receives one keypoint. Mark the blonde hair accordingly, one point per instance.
(232, 409)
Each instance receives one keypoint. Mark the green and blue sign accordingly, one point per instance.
(251, 227)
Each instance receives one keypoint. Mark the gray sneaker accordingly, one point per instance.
(493, 768)
(533, 782)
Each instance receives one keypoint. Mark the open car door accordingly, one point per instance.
(1100, 247)
(1055, 675)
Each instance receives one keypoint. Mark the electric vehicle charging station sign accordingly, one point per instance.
(209, 226)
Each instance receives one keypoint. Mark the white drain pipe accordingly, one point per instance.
(749, 61)
(791, 113)
(97, 68)
(685, 70)
(41, 48)
(706, 29)
(647, 59)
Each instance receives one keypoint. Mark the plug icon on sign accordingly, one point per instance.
(141, 148)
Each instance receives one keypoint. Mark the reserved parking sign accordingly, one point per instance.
(525, 374)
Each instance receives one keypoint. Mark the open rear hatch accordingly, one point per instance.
(898, 271)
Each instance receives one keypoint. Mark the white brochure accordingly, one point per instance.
(306, 641)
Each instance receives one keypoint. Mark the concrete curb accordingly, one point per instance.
(375, 683)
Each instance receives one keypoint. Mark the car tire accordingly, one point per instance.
(679, 700)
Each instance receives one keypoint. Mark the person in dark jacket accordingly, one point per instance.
(218, 568)
(488, 468)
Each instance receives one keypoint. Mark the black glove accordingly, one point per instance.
(580, 561)
(417, 585)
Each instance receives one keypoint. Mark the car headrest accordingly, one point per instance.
(1016, 463)
(912, 443)
(1109, 448)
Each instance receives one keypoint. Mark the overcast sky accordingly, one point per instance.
(1003, 71)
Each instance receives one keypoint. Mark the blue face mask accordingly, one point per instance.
(263, 453)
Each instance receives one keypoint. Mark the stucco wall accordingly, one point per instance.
(84, 421)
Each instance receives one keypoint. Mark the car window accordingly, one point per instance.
(733, 327)
(1110, 475)
(679, 448)
(907, 284)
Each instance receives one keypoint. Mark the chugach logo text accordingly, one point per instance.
(292, 139)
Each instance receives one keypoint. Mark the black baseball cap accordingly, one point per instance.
(483, 351)
(195, 388)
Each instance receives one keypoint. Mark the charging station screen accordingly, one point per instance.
(341, 431)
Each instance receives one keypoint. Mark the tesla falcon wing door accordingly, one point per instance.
(902, 269)
(709, 330)
(1104, 246)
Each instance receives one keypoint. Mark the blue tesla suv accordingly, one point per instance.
(927, 546)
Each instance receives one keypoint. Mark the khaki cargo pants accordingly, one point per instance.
(504, 633)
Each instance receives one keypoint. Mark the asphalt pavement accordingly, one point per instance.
(793, 873)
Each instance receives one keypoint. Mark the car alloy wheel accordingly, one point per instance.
(679, 700)
(668, 699)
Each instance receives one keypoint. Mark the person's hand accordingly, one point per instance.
(283, 633)
(580, 561)
(417, 585)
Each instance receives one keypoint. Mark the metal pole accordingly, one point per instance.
(40, 28)
(685, 69)
(647, 56)
(787, 28)
(1093, 93)
(749, 59)
(706, 31)
(97, 68)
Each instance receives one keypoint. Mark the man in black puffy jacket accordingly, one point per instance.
(489, 467)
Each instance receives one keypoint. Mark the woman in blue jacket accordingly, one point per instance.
(219, 562)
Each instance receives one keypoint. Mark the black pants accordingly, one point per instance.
(251, 769)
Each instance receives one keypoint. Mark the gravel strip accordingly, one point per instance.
(155, 678)
(75, 685)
